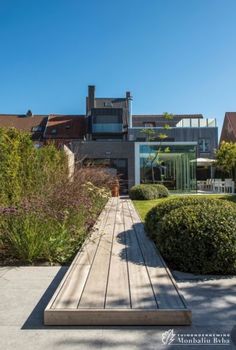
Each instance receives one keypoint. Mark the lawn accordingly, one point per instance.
(143, 206)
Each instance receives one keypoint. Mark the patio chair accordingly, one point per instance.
(218, 186)
(229, 186)
(209, 184)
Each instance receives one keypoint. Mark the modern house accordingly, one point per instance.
(116, 138)
(228, 132)
(109, 135)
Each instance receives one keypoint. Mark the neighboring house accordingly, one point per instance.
(228, 132)
(109, 135)
(35, 124)
(62, 129)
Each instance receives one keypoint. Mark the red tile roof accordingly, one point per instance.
(25, 123)
(228, 132)
(65, 127)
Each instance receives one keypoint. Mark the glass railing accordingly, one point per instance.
(196, 123)
(107, 127)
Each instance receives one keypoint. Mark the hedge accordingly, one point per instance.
(24, 169)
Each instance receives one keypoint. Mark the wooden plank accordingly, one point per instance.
(70, 293)
(88, 249)
(142, 296)
(118, 294)
(71, 287)
(111, 317)
(124, 261)
(93, 295)
(166, 293)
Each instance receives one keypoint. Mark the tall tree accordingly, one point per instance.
(226, 158)
(151, 135)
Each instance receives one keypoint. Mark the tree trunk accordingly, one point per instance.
(153, 175)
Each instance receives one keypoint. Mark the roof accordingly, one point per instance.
(25, 123)
(228, 132)
(65, 127)
(160, 120)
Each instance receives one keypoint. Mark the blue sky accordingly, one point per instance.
(174, 55)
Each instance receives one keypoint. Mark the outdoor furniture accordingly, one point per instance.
(218, 186)
(209, 185)
(201, 185)
(229, 186)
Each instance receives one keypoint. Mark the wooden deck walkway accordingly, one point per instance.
(118, 278)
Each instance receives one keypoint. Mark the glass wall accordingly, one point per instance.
(171, 165)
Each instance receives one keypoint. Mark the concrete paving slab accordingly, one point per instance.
(23, 329)
(4, 270)
(213, 298)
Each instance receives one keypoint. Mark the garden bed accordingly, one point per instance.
(45, 214)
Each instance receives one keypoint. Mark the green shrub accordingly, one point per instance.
(142, 192)
(148, 191)
(161, 190)
(44, 217)
(30, 238)
(157, 213)
(35, 237)
(24, 169)
(198, 237)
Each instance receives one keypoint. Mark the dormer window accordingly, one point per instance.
(37, 128)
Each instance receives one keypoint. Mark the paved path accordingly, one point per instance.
(118, 278)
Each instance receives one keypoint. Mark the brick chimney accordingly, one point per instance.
(91, 97)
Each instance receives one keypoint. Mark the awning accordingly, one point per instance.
(203, 161)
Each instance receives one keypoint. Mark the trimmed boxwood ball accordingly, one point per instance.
(199, 238)
(148, 191)
(156, 213)
(161, 190)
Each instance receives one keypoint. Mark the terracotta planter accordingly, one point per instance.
(115, 191)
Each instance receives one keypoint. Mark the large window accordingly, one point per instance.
(107, 120)
(171, 165)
